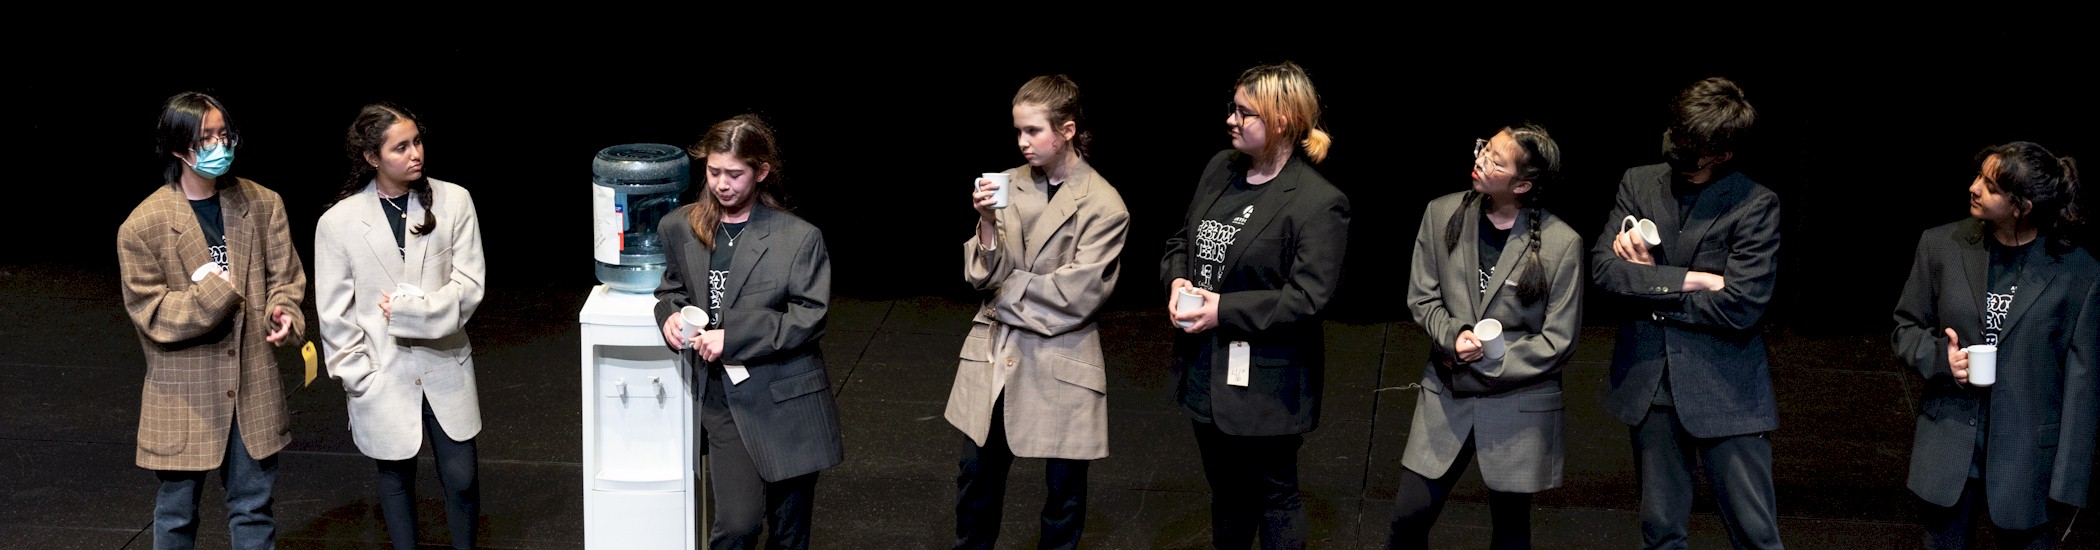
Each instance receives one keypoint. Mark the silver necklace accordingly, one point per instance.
(732, 238)
(390, 202)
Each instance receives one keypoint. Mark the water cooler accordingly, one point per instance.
(640, 488)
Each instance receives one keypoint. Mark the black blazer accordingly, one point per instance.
(773, 308)
(1279, 274)
(1710, 341)
(2045, 393)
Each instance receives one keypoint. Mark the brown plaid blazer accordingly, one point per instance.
(205, 345)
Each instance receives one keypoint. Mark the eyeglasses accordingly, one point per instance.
(1479, 147)
(1234, 110)
(228, 139)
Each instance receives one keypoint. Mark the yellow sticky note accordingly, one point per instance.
(313, 362)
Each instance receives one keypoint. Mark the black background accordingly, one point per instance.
(1867, 130)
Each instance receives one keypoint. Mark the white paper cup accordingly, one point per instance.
(1489, 331)
(690, 321)
(1642, 227)
(1190, 301)
(1983, 365)
(405, 289)
(998, 195)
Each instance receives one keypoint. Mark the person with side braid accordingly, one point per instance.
(398, 272)
(1491, 253)
(2013, 275)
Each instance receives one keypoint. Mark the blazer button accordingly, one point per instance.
(231, 352)
(229, 393)
(1972, 421)
(419, 381)
(1009, 361)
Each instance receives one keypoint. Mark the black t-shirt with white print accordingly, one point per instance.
(726, 235)
(2003, 276)
(1492, 241)
(214, 224)
(1220, 229)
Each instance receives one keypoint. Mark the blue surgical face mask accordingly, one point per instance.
(214, 161)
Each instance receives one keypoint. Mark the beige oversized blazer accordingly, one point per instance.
(206, 349)
(388, 367)
(1035, 338)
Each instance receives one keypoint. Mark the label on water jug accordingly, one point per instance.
(608, 223)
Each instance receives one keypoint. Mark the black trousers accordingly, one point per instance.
(1419, 500)
(456, 471)
(980, 487)
(1254, 485)
(743, 500)
(1738, 467)
(1953, 527)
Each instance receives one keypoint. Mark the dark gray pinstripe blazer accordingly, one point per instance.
(2044, 407)
(773, 308)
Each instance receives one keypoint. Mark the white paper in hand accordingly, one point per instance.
(737, 373)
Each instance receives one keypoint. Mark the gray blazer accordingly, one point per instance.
(1511, 407)
(1035, 340)
(2046, 403)
(773, 308)
(1712, 342)
(388, 367)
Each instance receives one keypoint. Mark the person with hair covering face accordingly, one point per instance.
(1688, 373)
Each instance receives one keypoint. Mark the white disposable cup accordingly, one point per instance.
(406, 289)
(690, 320)
(999, 194)
(1489, 331)
(1983, 365)
(1190, 301)
(1643, 227)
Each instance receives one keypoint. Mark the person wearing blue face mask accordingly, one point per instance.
(211, 281)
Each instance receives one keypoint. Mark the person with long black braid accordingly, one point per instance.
(1491, 253)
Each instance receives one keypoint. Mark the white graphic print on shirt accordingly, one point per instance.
(1485, 276)
(1995, 307)
(218, 255)
(1212, 238)
(715, 278)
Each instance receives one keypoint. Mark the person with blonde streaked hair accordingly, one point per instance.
(1261, 247)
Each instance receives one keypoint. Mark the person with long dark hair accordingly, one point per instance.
(1491, 253)
(398, 272)
(212, 282)
(764, 277)
(2013, 276)
(1031, 381)
(1262, 246)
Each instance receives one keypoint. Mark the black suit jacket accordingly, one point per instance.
(2044, 406)
(773, 308)
(1710, 341)
(1278, 275)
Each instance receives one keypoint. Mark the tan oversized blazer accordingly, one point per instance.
(1035, 339)
(389, 367)
(206, 352)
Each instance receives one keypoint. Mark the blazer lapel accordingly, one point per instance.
(1266, 206)
(1973, 260)
(379, 236)
(1704, 213)
(1059, 209)
(240, 239)
(412, 264)
(1466, 256)
(2032, 282)
(1505, 265)
(189, 233)
(751, 245)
